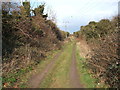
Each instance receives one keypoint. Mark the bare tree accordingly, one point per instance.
(51, 14)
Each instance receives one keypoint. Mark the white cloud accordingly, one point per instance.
(82, 11)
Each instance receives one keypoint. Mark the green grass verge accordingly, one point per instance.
(14, 77)
(85, 77)
(58, 77)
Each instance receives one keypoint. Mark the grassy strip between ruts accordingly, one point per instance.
(59, 76)
(85, 77)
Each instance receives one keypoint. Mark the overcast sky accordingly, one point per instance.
(71, 14)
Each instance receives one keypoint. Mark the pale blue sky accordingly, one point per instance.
(76, 13)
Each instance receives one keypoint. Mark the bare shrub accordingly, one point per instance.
(104, 62)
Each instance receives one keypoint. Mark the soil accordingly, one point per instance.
(35, 80)
(74, 76)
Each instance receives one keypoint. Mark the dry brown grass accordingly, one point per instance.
(84, 48)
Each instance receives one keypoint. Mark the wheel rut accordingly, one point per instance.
(74, 76)
(36, 79)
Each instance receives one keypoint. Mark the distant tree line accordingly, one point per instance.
(96, 29)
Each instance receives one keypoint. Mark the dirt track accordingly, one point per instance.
(74, 76)
(35, 80)
(74, 81)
